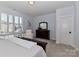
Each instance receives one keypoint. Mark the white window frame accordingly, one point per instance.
(13, 22)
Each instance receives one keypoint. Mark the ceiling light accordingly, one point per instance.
(31, 2)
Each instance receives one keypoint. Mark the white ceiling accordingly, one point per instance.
(39, 8)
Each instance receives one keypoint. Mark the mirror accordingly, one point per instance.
(43, 25)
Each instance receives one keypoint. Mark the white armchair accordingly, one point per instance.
(28, 34)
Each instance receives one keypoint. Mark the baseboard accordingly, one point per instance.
(52, 38)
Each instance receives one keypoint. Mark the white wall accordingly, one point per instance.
(16, 13)
(77, 25)
(51, 19)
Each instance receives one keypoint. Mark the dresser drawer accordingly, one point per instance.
(43, 34)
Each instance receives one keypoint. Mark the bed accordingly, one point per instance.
(10, 48)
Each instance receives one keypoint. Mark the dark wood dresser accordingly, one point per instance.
(43, 33)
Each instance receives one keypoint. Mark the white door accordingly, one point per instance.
(66, 29)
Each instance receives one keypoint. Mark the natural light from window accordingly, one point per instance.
(10, 23)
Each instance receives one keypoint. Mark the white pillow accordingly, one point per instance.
(23, 43)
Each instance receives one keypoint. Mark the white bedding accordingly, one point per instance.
(23, 43)
(10, 49)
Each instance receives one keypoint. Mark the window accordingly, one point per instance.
(21, 22)
(3, 22)
(10, 23)
(18, 23)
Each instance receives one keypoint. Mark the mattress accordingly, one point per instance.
(10, 49)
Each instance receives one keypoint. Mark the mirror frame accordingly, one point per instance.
(45, 23)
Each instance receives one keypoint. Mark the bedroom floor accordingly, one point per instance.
(59, 50)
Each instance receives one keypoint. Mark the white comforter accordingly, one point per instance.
(10, 49)
(23, 43)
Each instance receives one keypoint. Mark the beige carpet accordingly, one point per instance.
(59, 50)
